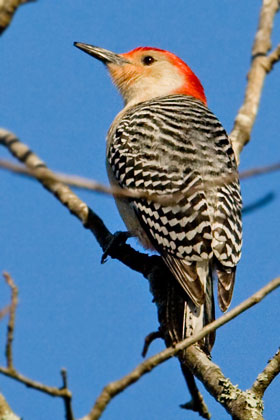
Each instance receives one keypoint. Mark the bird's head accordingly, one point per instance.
(145, 73)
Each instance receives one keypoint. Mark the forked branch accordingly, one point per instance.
(11, 371)
(265, 378)
(194, 358)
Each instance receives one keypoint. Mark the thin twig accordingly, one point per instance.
(260, 67)
(265, 378)
(43, 173)
(10, 370)
(249, 173)
(196, 403)
(46, 176)
(114, 388)
(54, 392)
(12, 318)
(258, 204)
(92, 185)
(67, 399)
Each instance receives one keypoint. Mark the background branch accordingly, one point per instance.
(261, 65)
(259, 203)
(77, 181)
(259, 171)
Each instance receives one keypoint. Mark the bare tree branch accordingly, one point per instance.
(210, 381)
(30, 383)
(10, 369)
(12, 317)
(265, 378)
(7, 11)
(6, 412)
(260, 67)
(259, 171)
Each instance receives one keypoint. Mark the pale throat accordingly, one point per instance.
(162, 83)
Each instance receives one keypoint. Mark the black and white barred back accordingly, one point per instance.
(174, 146)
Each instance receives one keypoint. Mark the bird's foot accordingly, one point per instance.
(199, 406)
(149, 339)
(116, 240)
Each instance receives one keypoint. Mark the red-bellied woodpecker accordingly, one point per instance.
(167, 142)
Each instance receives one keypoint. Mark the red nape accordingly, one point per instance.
(192, 87)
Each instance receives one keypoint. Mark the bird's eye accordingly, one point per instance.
(148, 60)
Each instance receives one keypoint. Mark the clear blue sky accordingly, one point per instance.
(73, 312)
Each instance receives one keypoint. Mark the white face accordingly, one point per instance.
(149, 74)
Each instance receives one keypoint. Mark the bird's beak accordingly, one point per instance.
(101, 54)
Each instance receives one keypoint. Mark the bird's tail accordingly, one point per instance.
(180, 318)
(174, 310)
(196, 317)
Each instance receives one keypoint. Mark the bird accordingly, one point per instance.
(166, 142)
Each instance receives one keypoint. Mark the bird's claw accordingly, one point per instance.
(149, 339)
(117, 239)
